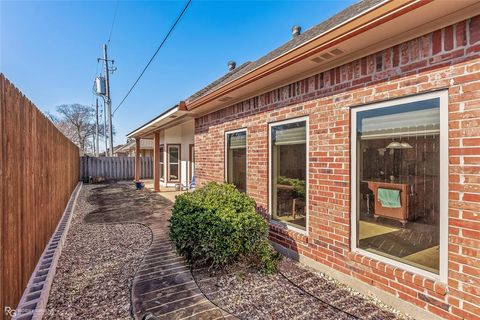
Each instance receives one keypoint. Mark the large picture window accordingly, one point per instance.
(288, 172)
(236, 159)
(173, 157)
(397, 152)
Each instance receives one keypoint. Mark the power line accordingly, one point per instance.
(113, 22)
(154, 55)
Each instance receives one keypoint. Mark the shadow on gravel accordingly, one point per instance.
(121, 202)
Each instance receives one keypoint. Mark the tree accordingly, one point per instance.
(77, 122)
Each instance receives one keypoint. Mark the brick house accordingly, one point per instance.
(360, 140)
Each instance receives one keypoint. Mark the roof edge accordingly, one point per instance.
(299, 52)
(159, 117)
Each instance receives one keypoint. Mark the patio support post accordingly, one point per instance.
(137, 159)
(156, 162)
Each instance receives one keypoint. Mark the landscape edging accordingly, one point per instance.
(34, 300)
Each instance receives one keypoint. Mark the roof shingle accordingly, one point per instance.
(306, 36)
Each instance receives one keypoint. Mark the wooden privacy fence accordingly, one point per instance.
(114, 168)
(38, 171)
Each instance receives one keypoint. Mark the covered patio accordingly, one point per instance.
(172, 133)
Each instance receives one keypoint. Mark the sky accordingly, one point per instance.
(49, 49)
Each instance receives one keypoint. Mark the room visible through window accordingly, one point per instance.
(398, 182)
(236, 159)
(288, 156)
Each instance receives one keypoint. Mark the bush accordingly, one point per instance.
(299, 186)
(217, 225)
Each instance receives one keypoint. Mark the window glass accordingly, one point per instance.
(398, 182)
(289, 173)
(162, 166)
(237, 159)
(173, 163)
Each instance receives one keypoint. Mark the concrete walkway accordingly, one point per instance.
(163, 285)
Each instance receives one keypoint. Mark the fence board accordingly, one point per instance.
(39, 169)
(114, 168)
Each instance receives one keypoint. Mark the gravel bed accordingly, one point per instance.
(296, 292)
(96, 268)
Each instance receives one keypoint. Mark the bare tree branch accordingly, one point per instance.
(77, 122)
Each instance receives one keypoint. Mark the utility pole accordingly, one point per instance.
(108, 101)
(97, 150)
(93, 145)
(105, 127)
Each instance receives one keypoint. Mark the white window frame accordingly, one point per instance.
(225, 173)
(442, 276)
(179, 162)
(162, 161)
(307, 187)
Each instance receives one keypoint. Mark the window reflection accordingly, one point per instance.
(398, 181)
(237, 159)
(289, 173)
(173, 162)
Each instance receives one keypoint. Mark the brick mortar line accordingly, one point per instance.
(41, 302)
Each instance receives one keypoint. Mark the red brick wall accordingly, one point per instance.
(445, 59)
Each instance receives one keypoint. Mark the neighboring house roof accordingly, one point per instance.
(144, 144)
(307, 35)
(118, 148)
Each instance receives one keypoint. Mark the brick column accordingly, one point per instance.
(137, 159)
(156, 162)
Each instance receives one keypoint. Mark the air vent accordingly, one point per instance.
(327, 55)
(336, 52)
(173, 117)
(317, 60)
(225, 99)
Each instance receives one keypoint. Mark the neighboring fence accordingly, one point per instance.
(38, 170)
(114, 168)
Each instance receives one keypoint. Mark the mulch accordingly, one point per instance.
(295, 292)
(96, 268)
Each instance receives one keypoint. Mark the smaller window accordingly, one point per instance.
(173, 158)
(236, 159)
(288, 173)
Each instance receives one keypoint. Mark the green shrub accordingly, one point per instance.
(299, 186)
(217, 225)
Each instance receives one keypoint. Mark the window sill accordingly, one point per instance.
(288, 227)
(399, 269)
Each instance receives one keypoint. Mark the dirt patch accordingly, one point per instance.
(119, 202)
(98, 262)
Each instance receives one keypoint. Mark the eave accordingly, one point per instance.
(388, 24)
